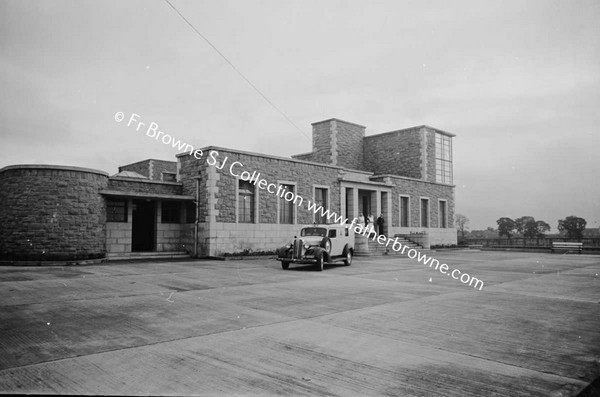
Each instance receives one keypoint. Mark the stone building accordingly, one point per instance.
(227, 201)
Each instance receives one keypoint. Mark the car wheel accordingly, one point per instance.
(320, 262)
(348, 260)
(285, 265)
(326, 245)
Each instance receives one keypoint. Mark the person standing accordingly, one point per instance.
(380, 223)
(361, 220)
(371, 223)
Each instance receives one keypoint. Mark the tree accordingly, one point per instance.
(533, 228)
(521, 222)
(505, 226)
(573, 226)
(461, 222)
(542, 228)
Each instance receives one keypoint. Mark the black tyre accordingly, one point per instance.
(285, 265)
(348, 260)
(320, 262)
(326, 245)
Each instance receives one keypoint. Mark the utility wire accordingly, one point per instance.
(236, 69)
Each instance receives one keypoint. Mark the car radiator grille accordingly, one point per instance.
(298, 249)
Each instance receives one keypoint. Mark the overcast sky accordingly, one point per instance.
(518, 82)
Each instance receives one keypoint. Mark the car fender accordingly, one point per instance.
(320, 251)
(346, 248)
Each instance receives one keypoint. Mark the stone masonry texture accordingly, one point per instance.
(52, 214)
(395, 153)
(151, 168)
(143, 186)
(273, 170)
(350, 145)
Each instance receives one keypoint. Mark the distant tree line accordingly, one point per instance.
(526, 226)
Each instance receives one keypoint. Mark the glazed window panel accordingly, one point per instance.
(190, 212)
(116, 210)
(424, 213)
(170, 212)
(286, 208)
(245, 202)
(404, 211)
(443, 158)
(443, 215)
(321, 199)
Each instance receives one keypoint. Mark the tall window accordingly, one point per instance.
(321, 199)
(116, 210)
(404, 211)
(442, 214)
(245, 202)
(286, 208)
(424, 212)
(443, 158)
(170, 212)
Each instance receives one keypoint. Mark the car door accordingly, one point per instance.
(337, 241)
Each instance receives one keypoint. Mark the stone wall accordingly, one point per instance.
(395, 153)
(430, 152)
(157, 167)
(349, 145)
(52, 213)
(219, 194)
(416, 189)
(322, 150)
(143, 186)
(118, 235)
(151, 168)
(235, 238)
(274, 170)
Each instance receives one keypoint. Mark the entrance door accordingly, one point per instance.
(143, 226)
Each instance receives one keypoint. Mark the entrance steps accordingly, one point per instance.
(123, 256)
(369, 247)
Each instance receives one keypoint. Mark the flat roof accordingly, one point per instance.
(119, 193)
(413, 128)
(336, 119)
(52, 167)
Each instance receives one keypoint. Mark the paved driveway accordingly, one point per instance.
(384, 326)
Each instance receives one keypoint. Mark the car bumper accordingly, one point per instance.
(298, 260)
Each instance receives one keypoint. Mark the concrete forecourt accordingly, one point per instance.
(383, 326)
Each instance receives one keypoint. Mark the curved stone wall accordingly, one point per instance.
(52, 213)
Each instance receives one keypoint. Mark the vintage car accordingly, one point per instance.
(319, 244)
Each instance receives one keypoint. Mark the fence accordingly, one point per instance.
(517, 242)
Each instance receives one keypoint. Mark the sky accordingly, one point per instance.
(518, 82)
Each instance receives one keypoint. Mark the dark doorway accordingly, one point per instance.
(143, 226)
(364, 197)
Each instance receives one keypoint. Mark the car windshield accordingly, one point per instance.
(314, 231)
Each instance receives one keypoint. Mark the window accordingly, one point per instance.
(424, 212)
(443, 158)
(443, 222)
(116, 210)
(404, 211)
(245, 202)
(321, 199)
(332, 233)
(170, 212)
(286, 208)
(313, 231)
(190, 212)
(169, 176)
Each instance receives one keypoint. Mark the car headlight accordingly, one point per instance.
(288, 246)
(306, 245)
